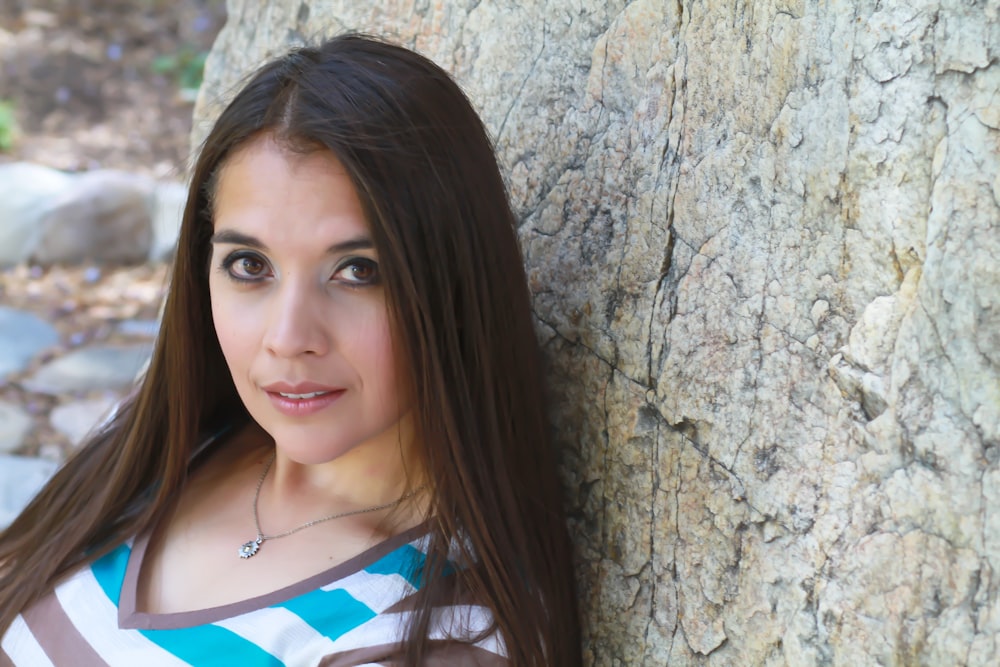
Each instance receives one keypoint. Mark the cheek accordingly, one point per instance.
(375, 344)
(235, 337)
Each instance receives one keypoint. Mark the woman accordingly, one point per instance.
(339, 454)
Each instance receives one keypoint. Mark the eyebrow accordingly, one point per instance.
(238, 238)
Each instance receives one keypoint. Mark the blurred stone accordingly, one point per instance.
(103, 217)
(22, 336)
(139, 328)
(168, 202)
(51, 451)
(91, 368)
(20, 479)
(77, 419)
(14, 425)
(27, 193)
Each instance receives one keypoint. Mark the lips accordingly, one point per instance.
(302, 399)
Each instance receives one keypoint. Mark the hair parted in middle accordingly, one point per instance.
(426, 174)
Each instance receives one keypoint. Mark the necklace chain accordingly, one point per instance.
(250, 548)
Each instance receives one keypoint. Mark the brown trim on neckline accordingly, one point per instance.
(130, 618)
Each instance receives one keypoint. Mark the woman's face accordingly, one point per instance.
(298, 304)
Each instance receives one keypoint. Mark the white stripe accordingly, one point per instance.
(282, 634)
(377, 591)
(466, 621)
(383, 629)
(96, 618)
(422, 543)
(458, 553)
(22, 647)
(458, 621)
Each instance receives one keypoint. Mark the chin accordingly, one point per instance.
(309, 450)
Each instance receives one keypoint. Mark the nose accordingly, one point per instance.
(296, 323)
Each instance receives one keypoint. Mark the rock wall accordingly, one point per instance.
(764, 244)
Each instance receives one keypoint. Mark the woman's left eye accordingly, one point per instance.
(358, 271)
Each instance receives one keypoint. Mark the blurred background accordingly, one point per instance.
(96, 99)
(102, 83)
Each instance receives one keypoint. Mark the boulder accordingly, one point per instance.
(104, 216)
(98, 367)
(27, 193)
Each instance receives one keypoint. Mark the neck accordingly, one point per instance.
(376, 473)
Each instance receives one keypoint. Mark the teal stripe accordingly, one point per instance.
(406, 561)
(203, 645)
(209, 645)
(109, 570)
(332, 613)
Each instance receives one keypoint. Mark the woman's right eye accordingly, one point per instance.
(245, 267)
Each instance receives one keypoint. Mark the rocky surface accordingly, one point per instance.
(100, 143)
(763, 242)
(72, 340)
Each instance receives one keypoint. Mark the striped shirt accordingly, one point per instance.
(352, 614)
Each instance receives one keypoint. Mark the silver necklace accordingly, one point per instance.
(250, 548)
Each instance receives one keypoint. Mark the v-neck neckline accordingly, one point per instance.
(131, 618)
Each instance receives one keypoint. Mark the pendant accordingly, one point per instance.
(250, 548)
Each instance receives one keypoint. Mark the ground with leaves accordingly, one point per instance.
(102, 83)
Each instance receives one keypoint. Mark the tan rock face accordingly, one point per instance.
(764, 242)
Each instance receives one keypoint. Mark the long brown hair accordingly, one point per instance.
(426, 173)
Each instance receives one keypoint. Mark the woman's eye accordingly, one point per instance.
(358, 271)
(246, 267)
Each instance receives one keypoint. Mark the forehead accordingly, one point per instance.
(278, 195)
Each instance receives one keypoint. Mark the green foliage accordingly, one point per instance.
(8, 125)
(186, 67)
